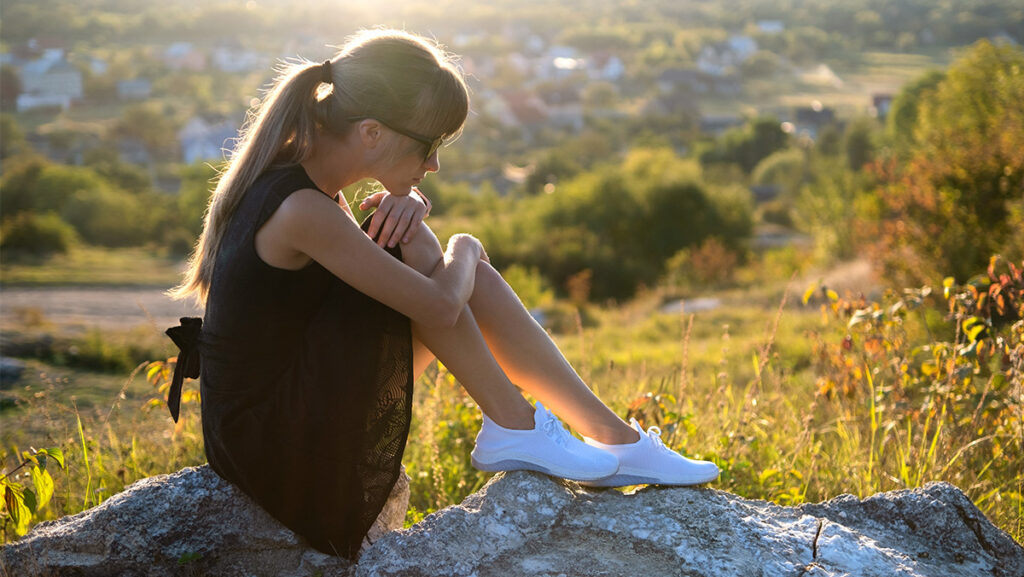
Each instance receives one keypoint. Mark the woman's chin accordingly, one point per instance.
(398, 189)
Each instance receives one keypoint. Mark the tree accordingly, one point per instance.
(620, 222)
(954, 194)
(12, 139)
(784, 169)
(152, 124)
(748, 145)
(99, 211)
(902, 119)
(10, 87)
(197, 183)
(857, 143)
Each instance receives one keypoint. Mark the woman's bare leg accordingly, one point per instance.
(532, 361)
(464, 351)
(494, 337)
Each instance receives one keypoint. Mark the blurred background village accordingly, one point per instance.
(674, 187)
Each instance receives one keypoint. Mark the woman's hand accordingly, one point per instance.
(397, 218)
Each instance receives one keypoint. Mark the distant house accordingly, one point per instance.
(564, 107)
(771, 26)
(203, 139)
(722, 58)
(559, 62)
(697, 82)
(527, 109)
(1003, 37)
(880, 105)
(605, 66)
(132, 150)
(184, 56)
(49, 81)
(478, 66)
(230, 56)
(495, 106)
(742, 47)
(137, 89)
(98, 66)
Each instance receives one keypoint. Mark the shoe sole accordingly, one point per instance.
(623, 480)
(520, 465)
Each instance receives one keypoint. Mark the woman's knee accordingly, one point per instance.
(423, 252)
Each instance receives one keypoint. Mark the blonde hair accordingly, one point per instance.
(397, 77)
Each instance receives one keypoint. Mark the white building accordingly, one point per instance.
(202, 140)
(49, 81)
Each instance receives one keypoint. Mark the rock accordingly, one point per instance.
(10, 372)
(527, 524)
(189, 523)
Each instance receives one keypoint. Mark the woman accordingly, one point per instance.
(315, 328)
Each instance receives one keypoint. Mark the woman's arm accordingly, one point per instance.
(310, 223)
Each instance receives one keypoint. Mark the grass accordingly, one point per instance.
(767, 388)
(89, 265)
(862, 75)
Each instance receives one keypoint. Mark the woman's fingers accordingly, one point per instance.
(401, 231)
(373, 200)
(397, 218)
(379, 218)
(388, 226)
(417, 215)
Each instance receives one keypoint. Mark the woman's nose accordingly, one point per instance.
(432, 164)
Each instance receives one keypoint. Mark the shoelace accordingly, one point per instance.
(654, 434)
(554, 430)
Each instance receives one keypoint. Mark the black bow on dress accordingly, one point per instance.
(186, 336)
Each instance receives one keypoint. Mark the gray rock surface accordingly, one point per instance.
(191, 523)
(194, 524)
(528, 524)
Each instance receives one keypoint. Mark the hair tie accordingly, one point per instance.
(325, 73)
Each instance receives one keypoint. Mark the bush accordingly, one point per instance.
(108, 217)
(37, 235)
(784, 169)
(620, 223)
(711, 264)
(529, 286)
(951, 188)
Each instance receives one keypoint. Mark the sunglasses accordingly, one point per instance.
(432, 144)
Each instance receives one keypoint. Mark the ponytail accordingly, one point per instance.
(279, 130)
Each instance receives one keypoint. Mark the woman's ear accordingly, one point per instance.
(370, 133)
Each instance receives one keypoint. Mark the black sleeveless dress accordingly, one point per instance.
(306, 383)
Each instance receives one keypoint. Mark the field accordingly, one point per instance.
(845, 86)
(753, 384)
(90, 265)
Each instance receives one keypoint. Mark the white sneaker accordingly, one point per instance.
(547, 448)
(649, 461)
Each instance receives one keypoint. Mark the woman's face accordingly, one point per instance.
(407, 166)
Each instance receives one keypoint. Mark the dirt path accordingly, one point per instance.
(114, 307)
(104, 307)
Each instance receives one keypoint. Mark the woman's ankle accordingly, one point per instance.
(616, 435)
(519, 418)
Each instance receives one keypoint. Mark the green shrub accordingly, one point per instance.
(37, 234)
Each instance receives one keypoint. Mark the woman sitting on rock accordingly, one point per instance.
(315, 328)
